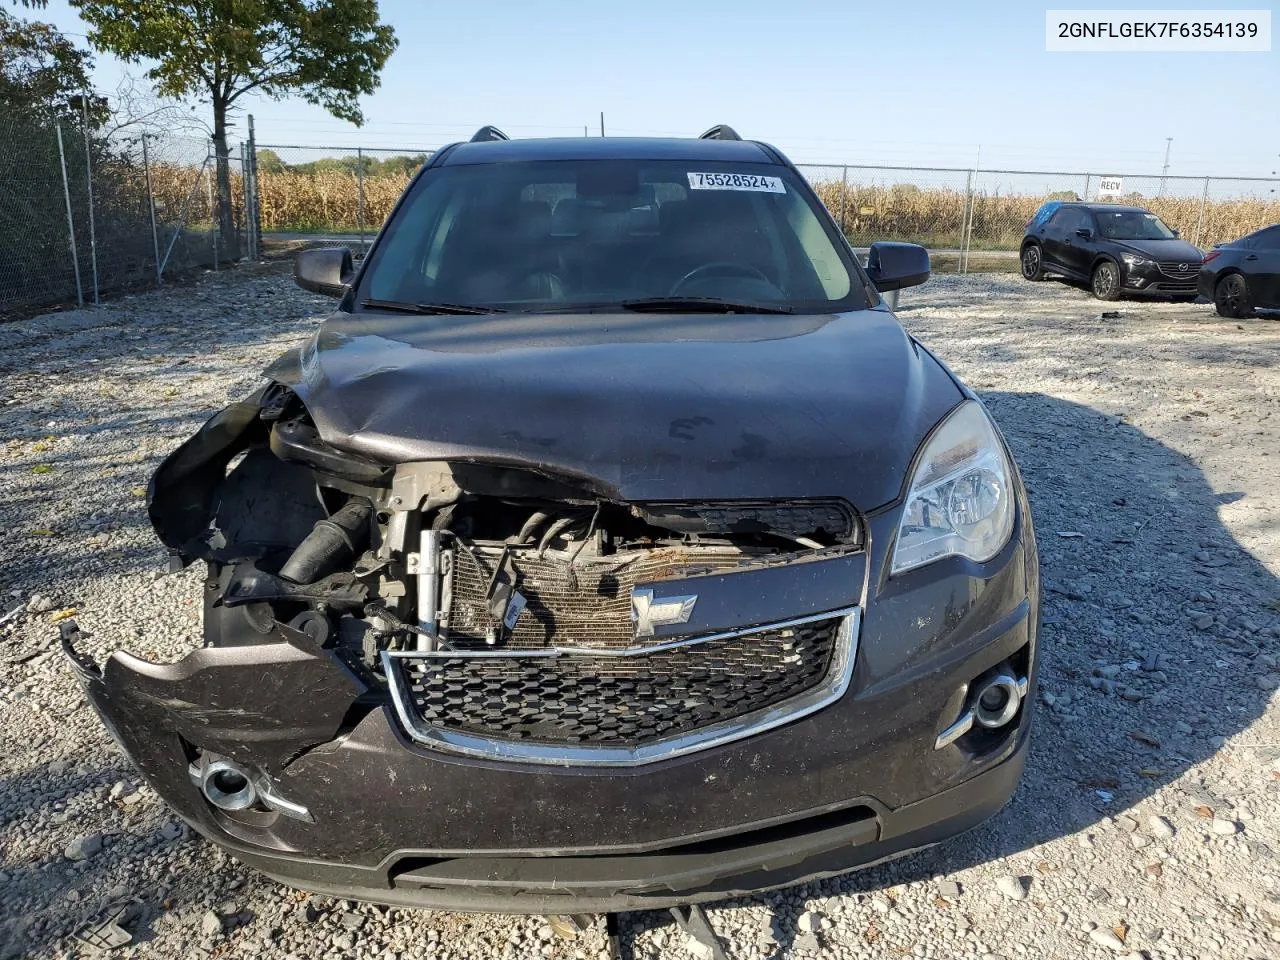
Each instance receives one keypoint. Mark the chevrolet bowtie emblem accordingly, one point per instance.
(649, 612)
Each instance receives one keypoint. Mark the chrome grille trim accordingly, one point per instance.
(1170, 269)
(832, 688)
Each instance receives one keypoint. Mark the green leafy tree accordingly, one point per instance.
(328, 52)
(269, 162)
(401, 165)
(42, 74)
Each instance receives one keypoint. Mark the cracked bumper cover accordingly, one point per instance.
(394, 822)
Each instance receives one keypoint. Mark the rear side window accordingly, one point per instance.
(1042, 216)
(1268, 239)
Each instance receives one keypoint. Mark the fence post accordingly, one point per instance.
(247, 190)
(255, 221)
(360, 195)
(208, 182)
(1204, 200)
(962, 260)
(1087, 178)
(844, 200)
(71, 224)
(88, 179)
(151, 205)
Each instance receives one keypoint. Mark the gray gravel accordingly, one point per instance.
(1147, 824)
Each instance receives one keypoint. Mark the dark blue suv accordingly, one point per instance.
(1117, 250)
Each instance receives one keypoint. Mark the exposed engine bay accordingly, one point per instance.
(363, 557)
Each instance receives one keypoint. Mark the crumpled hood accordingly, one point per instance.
(1177, 251)
(644, 406)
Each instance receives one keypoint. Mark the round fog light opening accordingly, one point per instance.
(227, 786)
(993, 699)
(997, 701)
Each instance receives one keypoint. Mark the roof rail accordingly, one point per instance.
(487, 133)
(721, 131)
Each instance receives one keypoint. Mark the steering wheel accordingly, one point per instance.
(721, 268)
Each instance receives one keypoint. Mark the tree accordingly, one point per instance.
(328, 52)
(42, 74)
(269, 162)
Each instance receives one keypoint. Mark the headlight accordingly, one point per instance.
(960, 502)
(1133, 260)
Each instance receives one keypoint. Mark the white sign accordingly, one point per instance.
(1145, 31)
(1111, 187)
(736, 181)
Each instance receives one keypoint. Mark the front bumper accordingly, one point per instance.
(1151, 279)
(391, 821)
(697, 868)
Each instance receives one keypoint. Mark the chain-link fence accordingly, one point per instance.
(975, 219)
(82, 216)
(970, 219)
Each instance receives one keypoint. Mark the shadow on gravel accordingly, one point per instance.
(1154, 618)
(1153, 621)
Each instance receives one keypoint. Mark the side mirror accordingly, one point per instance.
(892, 266)
(327, 271)
(1084, 233)
(1176, 234)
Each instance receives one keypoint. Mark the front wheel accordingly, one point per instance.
(1032, 262)
(1231, 297)
(1106, 281)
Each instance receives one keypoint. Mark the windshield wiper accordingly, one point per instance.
(701, 305)
(460, 309)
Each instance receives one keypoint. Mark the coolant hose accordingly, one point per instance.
(330, 543)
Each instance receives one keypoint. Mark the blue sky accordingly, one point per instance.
(925, 83)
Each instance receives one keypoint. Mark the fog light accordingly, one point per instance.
(230, 786)
(227, 786)
(997, 700)
(993, 702)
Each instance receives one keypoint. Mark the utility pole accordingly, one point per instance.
(602, 123)
(1168, 145)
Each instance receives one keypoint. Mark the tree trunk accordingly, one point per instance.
(222, 155)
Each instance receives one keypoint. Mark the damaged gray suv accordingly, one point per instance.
(610, 546)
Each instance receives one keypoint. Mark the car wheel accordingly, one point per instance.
(1231, 297)
(1032, 262)
(1106, 281)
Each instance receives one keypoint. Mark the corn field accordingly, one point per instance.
(329, 200)
(935, 217)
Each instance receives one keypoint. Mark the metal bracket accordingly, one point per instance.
(692, 919)
(613, 941)
(968, 718)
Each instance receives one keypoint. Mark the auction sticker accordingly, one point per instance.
(736, 181)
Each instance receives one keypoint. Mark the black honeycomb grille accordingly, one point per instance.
(621, 701)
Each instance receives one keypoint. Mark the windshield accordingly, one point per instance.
(596, 234)
(1132, 225)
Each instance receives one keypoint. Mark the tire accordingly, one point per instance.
(1032, 262)
(1231, 297)
(1106, 280)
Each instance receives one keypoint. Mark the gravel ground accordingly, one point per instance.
(1149, 820)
